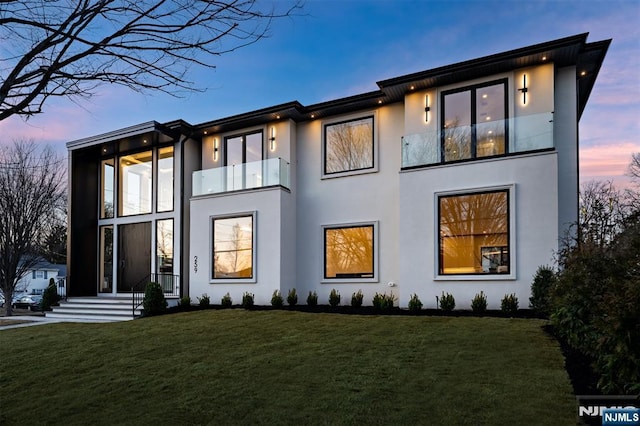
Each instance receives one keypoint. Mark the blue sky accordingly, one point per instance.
(341, 48)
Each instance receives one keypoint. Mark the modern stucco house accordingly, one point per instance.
(458, 179)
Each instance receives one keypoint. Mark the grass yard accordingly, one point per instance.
(279, 367)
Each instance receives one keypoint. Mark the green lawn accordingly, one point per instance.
(279, 367)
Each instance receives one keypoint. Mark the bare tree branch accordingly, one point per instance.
(61, 48)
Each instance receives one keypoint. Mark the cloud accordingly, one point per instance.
(607, 161)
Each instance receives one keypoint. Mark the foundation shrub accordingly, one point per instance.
(312, 298)
(479, 303)
(334, 297)
(415, 304)
(447, 302)
(153, 302)
(292, 297)
(204, 301)
(226, 301)
(247, 300)
(509, 304)
(356, 299)
(276, 299)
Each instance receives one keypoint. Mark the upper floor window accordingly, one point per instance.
(474, 233)
(474, 121)
(349, 145)
(165, 179)
(135, 189)
(107, 183)
(243, 158)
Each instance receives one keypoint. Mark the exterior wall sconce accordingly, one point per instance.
(427, 108)
(524, 89)
(272, 139)
(215, 149)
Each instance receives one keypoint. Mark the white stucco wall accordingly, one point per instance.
(533, 179)
(274, 242)
(370, 197)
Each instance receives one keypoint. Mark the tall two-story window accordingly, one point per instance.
(243, 158)
(135, 184)
(349, 145)
(474, 233)
(474, 121)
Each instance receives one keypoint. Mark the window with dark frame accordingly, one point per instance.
(233, 247)
(474, 122)
(349, 145)
(349, 252)
(243, 155)
(473, 232)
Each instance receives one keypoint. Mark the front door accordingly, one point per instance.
(134, 255)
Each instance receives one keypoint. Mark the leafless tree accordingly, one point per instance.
(633, 194)
(31, 196)
(68, 48)
(603, 211)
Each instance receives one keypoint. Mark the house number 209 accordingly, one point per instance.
(195, 264)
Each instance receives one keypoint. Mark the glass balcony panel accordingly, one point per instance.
(256, 174)
(524, 134)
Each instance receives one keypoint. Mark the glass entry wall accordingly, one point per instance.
(106, 259)
(136, 219)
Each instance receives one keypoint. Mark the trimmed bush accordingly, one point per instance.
(356, 299)
(312, 299)
(382, 302)
(50, 296)
(204, 301)
(247, 300)
(447, 302)
(509, 304)
(292, 297)
(415, 305)
(543, 283)
(226, 301)
(276, 299)
(479, 303)
(334, 297)
(154, 302)
(184, 303)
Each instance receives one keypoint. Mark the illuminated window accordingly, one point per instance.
(349, 145)
(474, 233)
(474, 121)
(165, 179)
(136, 175)
(349, 252)
(107, 182)
(233, 241)
(243, 158)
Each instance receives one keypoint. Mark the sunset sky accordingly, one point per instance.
(341, 48)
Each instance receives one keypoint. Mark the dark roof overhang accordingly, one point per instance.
(131, 138)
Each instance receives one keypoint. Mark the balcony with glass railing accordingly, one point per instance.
(257, 174)
(483, 140)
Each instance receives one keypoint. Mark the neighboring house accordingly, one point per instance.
(37, 278)
(458, 179)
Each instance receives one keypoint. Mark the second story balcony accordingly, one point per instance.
(257, 174)
(484, 140)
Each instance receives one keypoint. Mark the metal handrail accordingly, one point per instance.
(170, 286)
(137, 296)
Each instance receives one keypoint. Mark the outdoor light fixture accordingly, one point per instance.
(215, 149)
(426, 109)
(524, 89)
(272, 139)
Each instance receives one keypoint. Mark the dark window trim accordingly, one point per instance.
(509, 248)
(373, 143)
(473, 89)
(173, 179)
(350, 276)
(253, 247)
(244, 144)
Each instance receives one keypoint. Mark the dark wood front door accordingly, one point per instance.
(134, 255)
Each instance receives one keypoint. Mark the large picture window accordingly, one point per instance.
(136, 174)
(349, 145)
(233, 241)
(349, 252)
(474, 233)
(474, 121)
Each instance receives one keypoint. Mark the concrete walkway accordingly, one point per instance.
(30, 320)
